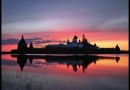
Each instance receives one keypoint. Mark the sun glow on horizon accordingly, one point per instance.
(102, 44)
(41, 39)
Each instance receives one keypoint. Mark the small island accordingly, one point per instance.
(74, 47)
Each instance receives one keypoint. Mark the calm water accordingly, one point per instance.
(66, 72)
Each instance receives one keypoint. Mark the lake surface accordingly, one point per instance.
(66, 72)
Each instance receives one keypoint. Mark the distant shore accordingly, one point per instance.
(5, 52)
(121, 52)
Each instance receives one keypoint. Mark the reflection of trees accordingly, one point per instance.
(74, 61)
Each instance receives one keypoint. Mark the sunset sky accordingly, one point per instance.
(104, 22)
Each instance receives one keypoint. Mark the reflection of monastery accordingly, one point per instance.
(74, 47)
(74, 62)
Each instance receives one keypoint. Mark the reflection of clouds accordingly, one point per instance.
(34, 64)
(9, 62)
(40, 64)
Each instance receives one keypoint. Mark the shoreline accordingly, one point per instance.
(126, 52)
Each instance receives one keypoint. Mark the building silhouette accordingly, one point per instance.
(117, 49)
(74, 47)
(31, 46)
(22, 46)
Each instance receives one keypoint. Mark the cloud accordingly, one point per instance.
(15, 41)
(10, 41)
(32, 40)
(115, 23)
(29, 40)
(48, 41)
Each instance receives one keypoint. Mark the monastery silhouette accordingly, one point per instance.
(74, 47)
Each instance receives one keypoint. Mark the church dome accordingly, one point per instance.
(22, 46)
(22, 41)
(75, 37)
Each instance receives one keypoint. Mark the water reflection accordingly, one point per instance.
(74, 61)
(21, 60)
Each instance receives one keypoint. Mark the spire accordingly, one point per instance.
(83, 37)
(68, 39)
(22, 37)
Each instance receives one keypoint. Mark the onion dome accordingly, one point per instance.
(22, 46)
(75, 37)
